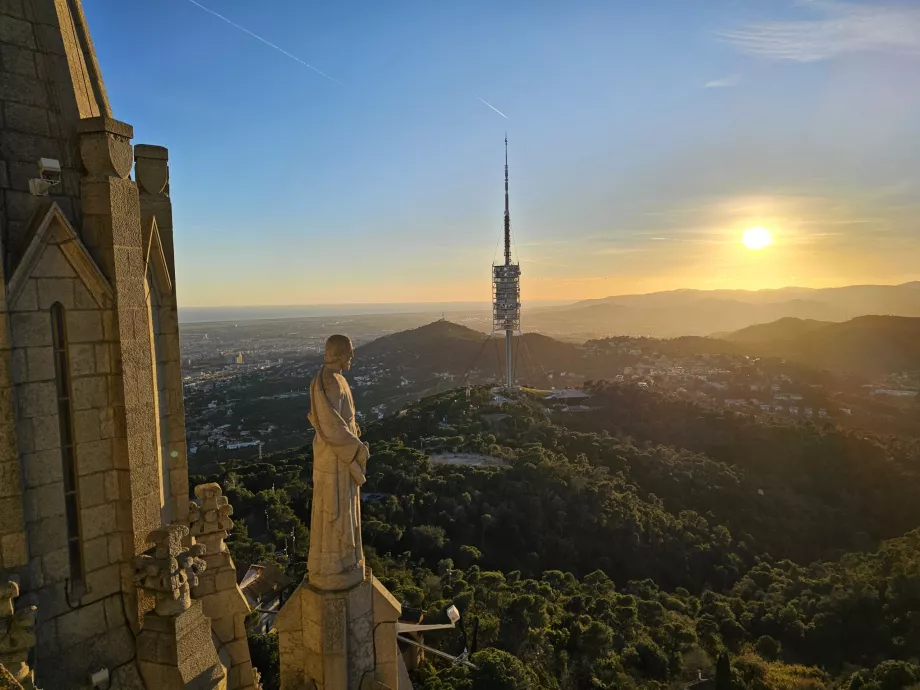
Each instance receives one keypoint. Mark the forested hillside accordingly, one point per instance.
(645, 544)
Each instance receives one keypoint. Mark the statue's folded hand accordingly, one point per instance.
(354, 469)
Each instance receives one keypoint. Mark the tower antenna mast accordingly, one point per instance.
(506, 290)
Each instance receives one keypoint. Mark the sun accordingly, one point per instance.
(757, 238)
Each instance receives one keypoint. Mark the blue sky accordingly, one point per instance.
(645, 137)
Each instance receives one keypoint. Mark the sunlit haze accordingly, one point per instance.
(355, 152)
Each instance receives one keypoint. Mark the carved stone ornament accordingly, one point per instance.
(151, 168)
(105, 147)
(210, 517)
(172, 571)
(17, 635)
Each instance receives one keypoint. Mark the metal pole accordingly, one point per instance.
(508, 365)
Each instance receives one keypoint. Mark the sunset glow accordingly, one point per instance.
(757, 238)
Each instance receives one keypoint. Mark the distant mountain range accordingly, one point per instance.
(707, 312)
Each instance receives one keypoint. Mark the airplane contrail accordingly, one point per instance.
(481, 99)
(268, 43)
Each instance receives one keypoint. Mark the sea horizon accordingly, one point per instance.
(190, 315)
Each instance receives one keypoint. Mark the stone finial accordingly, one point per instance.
(105, 147)
(171, 572)
(210, 519)
(151, 168)
(17, 635)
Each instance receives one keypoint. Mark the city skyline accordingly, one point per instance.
(354, 154)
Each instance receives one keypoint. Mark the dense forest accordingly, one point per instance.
(649, 543)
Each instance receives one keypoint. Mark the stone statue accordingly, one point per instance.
(336, 556)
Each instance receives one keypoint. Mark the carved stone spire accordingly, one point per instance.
(171, 572)
(17, 635)
(210, 519)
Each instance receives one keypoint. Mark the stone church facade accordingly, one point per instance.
(103, 568)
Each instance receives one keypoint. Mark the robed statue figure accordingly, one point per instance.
(336, 557)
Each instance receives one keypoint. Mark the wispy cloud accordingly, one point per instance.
(724, 82)
(265, 41)
(486, 103)
(837, 28)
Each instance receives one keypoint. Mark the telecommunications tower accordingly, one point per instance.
(506, 291)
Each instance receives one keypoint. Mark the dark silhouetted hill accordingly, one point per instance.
(867, 345)
(781, 329)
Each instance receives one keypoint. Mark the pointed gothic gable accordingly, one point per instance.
(156, 257)
(53, 229)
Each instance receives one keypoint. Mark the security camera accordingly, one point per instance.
(50, 175)
(453, 614)
(50, 169)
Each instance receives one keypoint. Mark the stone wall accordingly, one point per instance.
(48, 80)
(13, 554)
(83, 618)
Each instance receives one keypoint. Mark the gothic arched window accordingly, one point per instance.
(68, 456)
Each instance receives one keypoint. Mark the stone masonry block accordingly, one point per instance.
(103, 582)
(42, 468)
(46, 433)
(12, 8)
(31, 329)
(81, 624)
(98, 520)
(94, 456)
(41, 364)
(56, 565)
(20, 365)
(223, 628)
(5, 358)
(117, 485)
(114, 611)
(82, 298)
(45, 501)
(23, 88)
(116, 548)
(19, 146)
(26, 118)
(19, 205)
(17, 31)
(7, 417)
(84, 326)
(226, 579)
(51, 290)
(51, 39)
(13, 549)
(110, 328)
(92, 489)
(37, 400)
(9, 479)
(104, 359)
(89, 392)
(47, 536)
(86, 425)
(82, 359)
(28, 297)
(96, 553)
(53, 264)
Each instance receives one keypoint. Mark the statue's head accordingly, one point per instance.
(339, 352)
